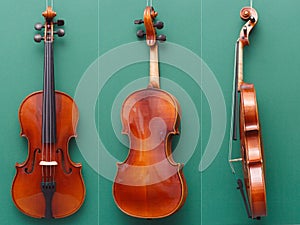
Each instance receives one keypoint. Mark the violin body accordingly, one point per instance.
(69, 187)
(149, 184)
(48, 184)
(252, 151)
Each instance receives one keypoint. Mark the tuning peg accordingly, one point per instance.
(138, 21)
(245, 31)
(60, 32)
(38, 26)
(252, 19)
(140, 33)
(38, 38)
(60, 22)
(161, 38)
(159, 25)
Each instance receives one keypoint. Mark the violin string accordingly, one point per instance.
(251, 4)
(51, 3)
(98, 115)
(231, 120)
(149, 3)
(48, 105)
(201, 104)
(52, 117)
(45, 135)
(48, 130)
(50, 127)
(43, 147)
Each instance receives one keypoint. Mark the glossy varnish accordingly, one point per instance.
(251, 145)
(48, 184)
(252, 151)
(149, 184)
(26, 190)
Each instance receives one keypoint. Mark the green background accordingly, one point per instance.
(209, 29)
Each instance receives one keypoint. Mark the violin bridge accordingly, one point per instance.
(48, 163)
(236, 160)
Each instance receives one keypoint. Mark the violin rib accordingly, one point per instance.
(252, 151)
(250, 131)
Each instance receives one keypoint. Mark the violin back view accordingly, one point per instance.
(149, 184)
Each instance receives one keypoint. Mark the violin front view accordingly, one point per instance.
(48, 184)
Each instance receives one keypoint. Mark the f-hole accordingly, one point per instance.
(37, 150)
(63, 162)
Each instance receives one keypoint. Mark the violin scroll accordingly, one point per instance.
(250, 15)
(151, 37)
(49, 14)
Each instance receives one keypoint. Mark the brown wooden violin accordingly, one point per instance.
(48, 184)
(149, 184)
(250, 130)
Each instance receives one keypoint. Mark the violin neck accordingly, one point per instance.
(154, 68)
(49, 112)
(239, 63)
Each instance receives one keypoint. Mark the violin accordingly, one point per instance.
(48, 184)
(250, 130)
(149, 184)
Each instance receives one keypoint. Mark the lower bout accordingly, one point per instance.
(29, 196)
(151, 201)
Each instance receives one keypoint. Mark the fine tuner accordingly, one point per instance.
(39, 26)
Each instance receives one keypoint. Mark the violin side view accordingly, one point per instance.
(48, 184)
(249, 124)
(149, 184)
